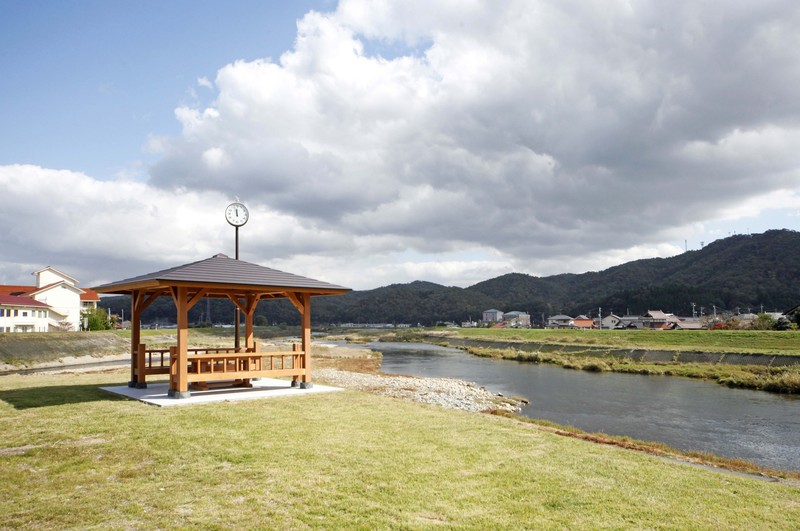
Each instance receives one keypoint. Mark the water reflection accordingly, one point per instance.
(687, 414)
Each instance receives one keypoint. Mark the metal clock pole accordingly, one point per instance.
(237, 316)
(237, 215)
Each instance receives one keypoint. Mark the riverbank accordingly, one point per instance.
(745, 371)
(358, 368)
(761, 342)
(74, 456)
(443, 392)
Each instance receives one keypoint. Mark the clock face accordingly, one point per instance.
(236, 214)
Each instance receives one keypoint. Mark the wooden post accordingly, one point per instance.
(141, 381)
(182, 383)
(173, 369)
(296, 363)
(248, 334)
(306, 340)
(248, 330)
(136, 324)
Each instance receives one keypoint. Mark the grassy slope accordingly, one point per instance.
(72, 455)
(732, 341)
(27, 349)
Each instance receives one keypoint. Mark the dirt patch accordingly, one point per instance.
(347, 358)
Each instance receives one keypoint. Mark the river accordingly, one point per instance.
(687, 414)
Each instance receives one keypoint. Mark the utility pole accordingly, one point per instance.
(600, 317)
(694, 314)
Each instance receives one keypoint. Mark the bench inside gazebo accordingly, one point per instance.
(245, 284)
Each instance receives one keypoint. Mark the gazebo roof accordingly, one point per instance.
(226, 274)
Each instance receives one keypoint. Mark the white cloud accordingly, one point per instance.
(757, 205)
(536, 128)
(108, 230)
(205, 82)
(561, 137)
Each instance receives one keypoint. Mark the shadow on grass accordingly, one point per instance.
(58, 395)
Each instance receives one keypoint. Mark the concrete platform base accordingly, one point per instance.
(157, 393)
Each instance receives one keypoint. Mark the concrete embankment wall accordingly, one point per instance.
(776, 360)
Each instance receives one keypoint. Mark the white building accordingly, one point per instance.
(53, 304)
(517, 319)
(492, 316)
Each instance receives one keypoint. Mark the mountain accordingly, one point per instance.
(739, 272)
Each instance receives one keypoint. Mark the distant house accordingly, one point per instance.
(631, 322)
(583, 322)
(687, 323)
(656, 320)
(492, 316)
(624, 322)
(610, 321)
(559, 321)
(517, 319)
(54, 303)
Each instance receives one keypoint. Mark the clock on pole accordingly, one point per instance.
(237, 214)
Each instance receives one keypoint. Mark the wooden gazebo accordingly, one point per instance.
(243, 283)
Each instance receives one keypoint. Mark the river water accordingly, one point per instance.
(761, 427)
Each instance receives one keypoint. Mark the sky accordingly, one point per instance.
(387, 141)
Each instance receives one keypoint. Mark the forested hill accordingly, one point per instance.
(743, 271)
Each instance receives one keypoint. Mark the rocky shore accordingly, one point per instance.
(443, 392)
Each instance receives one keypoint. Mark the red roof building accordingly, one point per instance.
(55, 302)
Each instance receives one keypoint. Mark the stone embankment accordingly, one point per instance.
(444, 392)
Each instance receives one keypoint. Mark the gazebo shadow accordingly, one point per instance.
(57, 395)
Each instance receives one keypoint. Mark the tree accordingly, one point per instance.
(782, 324)
(764, 321)
(62, 326)
(95, 319)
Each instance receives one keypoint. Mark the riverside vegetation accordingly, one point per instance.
(596, 357)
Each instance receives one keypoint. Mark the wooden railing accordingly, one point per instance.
(212, 363)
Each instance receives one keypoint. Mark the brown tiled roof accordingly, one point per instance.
(220, 270)
(13, 300)
(16, 290)
(89, 295)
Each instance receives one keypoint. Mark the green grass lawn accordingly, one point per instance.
(73, 456)
(732, 341)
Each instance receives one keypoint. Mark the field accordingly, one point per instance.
(73, 456)
(731, 341)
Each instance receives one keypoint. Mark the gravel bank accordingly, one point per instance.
(444, 392)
